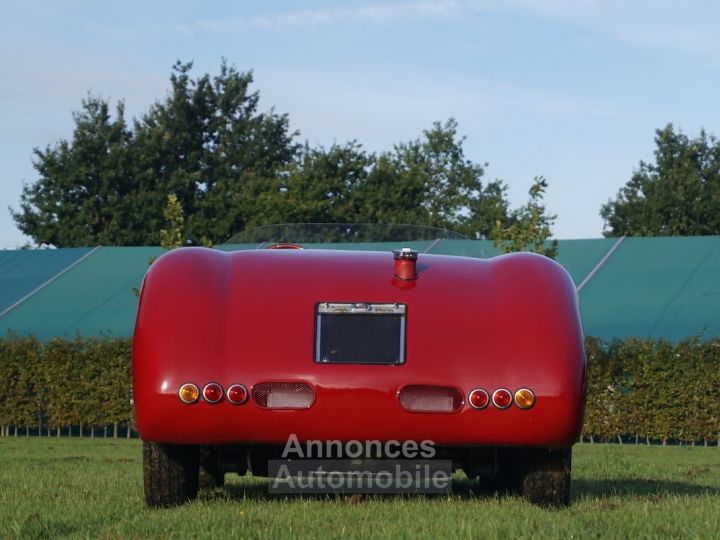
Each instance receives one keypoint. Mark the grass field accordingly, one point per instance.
(93, 488)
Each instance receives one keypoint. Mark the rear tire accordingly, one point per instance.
(170, 473)
(545, 476)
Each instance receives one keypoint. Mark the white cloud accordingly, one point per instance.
(344, 106)
(373, 13)
(512, 126)
(685, 25)
(689, 25)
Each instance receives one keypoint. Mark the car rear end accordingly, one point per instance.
(240, 351)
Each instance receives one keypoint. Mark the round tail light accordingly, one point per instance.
(188, 393)
(524, 398)
(478, 399)
(237, 394)
(213, 392)
(502, 398)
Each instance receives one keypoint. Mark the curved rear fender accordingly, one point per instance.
(543, 330)
(180, 321)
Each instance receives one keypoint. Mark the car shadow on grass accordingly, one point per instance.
(639, 488)
(256, 489)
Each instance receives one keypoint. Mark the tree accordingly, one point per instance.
(320, 186)
(426, 181)
(429, 181)
(79, 198)
(530, 226)
(230, 168)
(173, 237)
(208, 144)
(205, 142)
(678, 194)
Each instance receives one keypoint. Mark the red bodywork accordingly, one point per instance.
(248, 317)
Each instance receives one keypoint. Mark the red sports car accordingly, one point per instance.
(236, 352)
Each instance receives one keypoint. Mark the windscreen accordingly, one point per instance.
(343, 233)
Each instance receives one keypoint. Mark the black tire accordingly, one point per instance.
(545, 476)
(212, 474)
(170, 474)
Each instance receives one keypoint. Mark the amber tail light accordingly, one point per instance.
(524, 398)
(188, 393)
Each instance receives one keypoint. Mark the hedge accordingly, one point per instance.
(81, 384)
(654, 390)
(637, 389)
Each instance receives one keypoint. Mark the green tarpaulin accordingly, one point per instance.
(24, 271)
(647, 287)
(93, 298)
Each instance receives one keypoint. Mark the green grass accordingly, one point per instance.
(93, 488)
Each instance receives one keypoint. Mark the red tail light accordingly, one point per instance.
(426, 398)
(478, 399)
(237, 394)
(283, 395)
(502, 398)
(212, 393)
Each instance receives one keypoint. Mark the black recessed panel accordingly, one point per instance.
(360, 338)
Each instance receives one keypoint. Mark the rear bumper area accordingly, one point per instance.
(363, 413)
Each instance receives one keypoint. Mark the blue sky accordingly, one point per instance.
(572, 90)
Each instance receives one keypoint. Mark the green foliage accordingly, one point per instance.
(529, 227)
(82, 195)
(430, 182)
(21, 388)
(205, 142)
(230, 168)
(651, 389)
(677, 195)
(63, 383)
(319, 187)
(173, 237)
(426, 182)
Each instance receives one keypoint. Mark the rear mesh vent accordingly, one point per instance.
(283, 395)
(423, 398)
